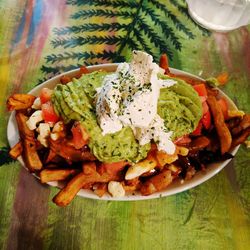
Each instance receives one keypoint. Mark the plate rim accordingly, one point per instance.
(177, 186)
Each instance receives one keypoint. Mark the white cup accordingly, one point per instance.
(220, 15)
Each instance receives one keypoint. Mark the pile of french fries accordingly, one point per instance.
(78, 168)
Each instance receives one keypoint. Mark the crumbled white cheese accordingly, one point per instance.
(116, 189)
(37, 103)
(43, 133)
(129, 97)
(58, 127)
(34, 119)
(139, 168)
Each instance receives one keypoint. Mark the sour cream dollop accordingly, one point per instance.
(129, 97)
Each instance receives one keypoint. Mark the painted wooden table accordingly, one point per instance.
(40, 38)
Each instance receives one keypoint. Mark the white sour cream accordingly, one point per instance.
(129, 97)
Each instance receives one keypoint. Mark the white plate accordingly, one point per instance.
(175, 187)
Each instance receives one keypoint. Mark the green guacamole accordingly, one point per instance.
(178, 105)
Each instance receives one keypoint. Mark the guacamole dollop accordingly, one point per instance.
(179, 106)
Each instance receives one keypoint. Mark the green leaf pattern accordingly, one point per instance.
(151, 25)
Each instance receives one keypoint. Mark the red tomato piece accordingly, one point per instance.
(200, 89)
(45, 95)
(164, 63)
(48, 112)
(84, 70)
(198, 129)
(114, 167)
(203, 98)
(80, 135)
(224, 107)
(205, 108)
(206, 120)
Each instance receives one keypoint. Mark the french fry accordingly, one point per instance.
(20, 101)
(164, 158)
(67, 194)
(182, 151)
(213, 91)
(199, 143)
(141, 167)
(89, 169)
(24, 131)
(157, 182)
(100, 189)
(241, 138)
(243, 125)
(221, 128)
(47, 175)
(63, 148)
(84, 179)
(235, 114)
(50, 156)
(16, 151)
(30, 155)
(131, 185)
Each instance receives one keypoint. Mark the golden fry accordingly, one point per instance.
(157, 182)
(47, 175)
(244, 124)
(20, 101)
(221, 128)
(141, 167)
(30, 155)
(100, 189)
(24, 131)
(16, 151)
(241, 138)
(199, 143)
(67, 194)
(164, 158)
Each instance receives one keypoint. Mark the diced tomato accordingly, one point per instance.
(48, 112)
(45, 95)
(164, 63)
(114, 167)
(84, 70)
(198, 129)
(224, 107)
(205, 108)
(200, 89)
(65, 79)
(203, 99)
(80, 135)
(206, 120)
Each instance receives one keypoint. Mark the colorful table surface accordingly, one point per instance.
(40, 38)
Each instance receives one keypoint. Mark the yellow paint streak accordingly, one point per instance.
(239, 221)
(4, 77)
